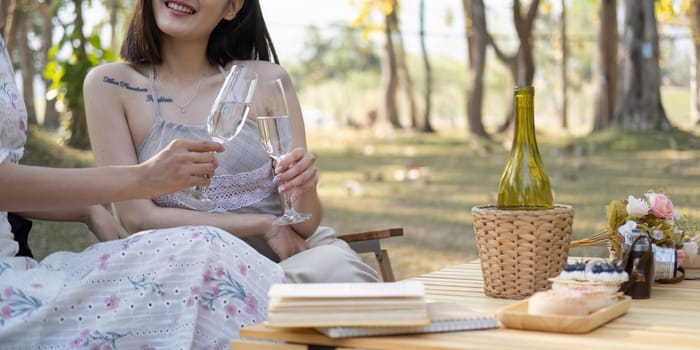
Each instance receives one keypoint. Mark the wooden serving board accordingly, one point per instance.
(516, 316)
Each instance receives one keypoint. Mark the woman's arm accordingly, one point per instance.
(96, 217)
(181, 164)
(297, 172)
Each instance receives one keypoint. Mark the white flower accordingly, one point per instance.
(676, 215)
(636, 207)
(627, 228)
(657, 234)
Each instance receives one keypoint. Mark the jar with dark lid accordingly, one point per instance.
(638, 262)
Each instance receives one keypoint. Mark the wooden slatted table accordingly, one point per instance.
(669, 320)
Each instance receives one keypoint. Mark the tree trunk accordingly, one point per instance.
(695, 67)
(426, 127)
(79, 136)
(389, 73)
(4, 9)
(114, 6)
(405, 81)
(50, 113)
(476, 19)
(606, 75)
(23, 22)
(640, 103)
(522, 64)
(563, 66)
(12, 8)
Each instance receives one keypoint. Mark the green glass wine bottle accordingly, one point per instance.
(524, 184)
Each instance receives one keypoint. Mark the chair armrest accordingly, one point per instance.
(371, 235)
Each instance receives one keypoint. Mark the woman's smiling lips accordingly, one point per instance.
(179, 7)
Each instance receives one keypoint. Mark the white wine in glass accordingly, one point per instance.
(225, 120)
(275, 132)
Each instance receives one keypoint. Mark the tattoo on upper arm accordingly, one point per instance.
(127, 86)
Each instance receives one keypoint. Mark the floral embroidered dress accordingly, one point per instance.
(178, 288)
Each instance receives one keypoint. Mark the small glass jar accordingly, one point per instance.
(665, 263)
(638, 262)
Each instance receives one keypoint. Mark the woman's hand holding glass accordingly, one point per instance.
(296, 173)
(275, 132)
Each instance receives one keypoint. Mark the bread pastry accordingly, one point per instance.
(561, 302)
(570, 301)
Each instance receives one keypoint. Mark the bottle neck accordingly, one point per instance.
(524, 116)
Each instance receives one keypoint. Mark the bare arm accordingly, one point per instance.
(181, 164)
(297, 172)
(96, 217)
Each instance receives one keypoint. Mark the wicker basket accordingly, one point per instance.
(520, 249)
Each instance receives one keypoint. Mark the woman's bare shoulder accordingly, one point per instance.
(117, 74)
(266, 70)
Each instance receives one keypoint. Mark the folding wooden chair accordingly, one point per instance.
(370, 242)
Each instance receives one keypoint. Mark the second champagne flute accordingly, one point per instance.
(225, 120)
(275, 132)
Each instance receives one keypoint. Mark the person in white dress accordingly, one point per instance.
(176, 54)
(190, 287)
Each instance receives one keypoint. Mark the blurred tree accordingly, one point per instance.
(23, 23)
(390, 69)
(334, 52)
(405, 80)
(395, 74)
(67, 74)
(47, 11)
(563, 107)
(477, 41)
(427, 126)
(640, 106)
(692, 9)
(9, 12)
(606, 76)
(521, 64)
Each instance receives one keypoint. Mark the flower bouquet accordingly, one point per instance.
(652, 214)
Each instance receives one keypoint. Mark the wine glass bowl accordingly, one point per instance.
(225, 120)
(275, 131)
(232, 105)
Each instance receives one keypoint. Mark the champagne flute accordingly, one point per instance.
(225, 120)
(275, 132)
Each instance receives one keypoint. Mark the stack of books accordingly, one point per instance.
(342, 310)
(347, 304)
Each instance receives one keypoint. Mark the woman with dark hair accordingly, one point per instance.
(177, 53)
(187, 287)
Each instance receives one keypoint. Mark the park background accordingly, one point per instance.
(385, 158)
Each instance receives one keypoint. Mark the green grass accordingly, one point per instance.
(360, 189)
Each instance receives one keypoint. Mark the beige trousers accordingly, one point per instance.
(328, 259)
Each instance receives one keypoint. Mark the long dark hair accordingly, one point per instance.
(243, 38)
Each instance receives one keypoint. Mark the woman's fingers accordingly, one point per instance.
(198, 146)
(181, 164)
(299, 175)
(293, 165)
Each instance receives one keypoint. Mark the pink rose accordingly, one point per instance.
(661, 206)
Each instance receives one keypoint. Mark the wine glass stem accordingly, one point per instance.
(287, 203)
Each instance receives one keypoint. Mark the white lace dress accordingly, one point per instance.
(178, 288)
